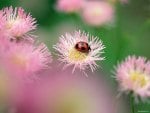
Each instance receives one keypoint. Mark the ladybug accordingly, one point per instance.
(83, 47)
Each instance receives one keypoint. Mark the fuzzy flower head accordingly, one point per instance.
(134, 75)
(69, 6)
(80, 50)
(16, 23)
(71, 94)
(97, 13)
(26, 59)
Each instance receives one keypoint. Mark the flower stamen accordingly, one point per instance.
(139, 79)
(76, 56)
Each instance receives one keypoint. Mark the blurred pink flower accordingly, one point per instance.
(134, 75)
(80, 50)
(97, 13)
(16, 24)
(23, 99)
(7, 88)
(26, 59)
(63, 93)
(69, 6)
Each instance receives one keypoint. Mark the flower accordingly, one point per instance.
(26, 59)
(63, 93)
(97, 13)
(80, 50)
(69, 6)
(134, 75)
(16, 23)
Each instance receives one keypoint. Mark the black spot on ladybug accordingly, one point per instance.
(82, 47)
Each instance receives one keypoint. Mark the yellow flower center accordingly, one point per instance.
(76, 56)
(10, 24)
(15, 22)
(97, 11)
(139, 79)
(19, 60)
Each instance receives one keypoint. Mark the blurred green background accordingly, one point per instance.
(130, 34)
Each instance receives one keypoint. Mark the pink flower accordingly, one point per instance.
(16, 24)
(69, 6)
(26, 59)
(63, 93)
(134, 75)
(97, 13)
(80, 50)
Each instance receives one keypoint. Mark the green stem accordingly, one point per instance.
(132, 103)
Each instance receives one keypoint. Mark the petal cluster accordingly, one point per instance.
(15, 23)
(69, 6)
(19, 53)
(133, 74)
(93, 12)
(69, 55)
(26, 59)
(97, 13)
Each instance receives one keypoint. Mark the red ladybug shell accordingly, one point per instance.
(82, 47)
